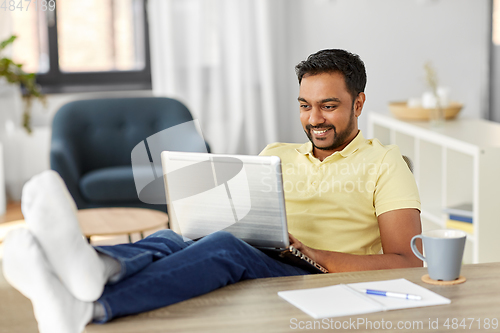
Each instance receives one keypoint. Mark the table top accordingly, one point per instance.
(254, 306)
(119, 221)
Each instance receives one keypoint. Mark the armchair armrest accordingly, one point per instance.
(65, 162)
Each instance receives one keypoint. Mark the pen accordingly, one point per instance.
(390, 294)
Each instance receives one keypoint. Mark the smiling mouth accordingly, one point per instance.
(320, 131)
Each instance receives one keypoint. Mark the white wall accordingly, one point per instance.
(395, 38)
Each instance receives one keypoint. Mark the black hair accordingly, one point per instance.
(335, 60)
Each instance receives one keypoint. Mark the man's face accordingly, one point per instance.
(327, 112)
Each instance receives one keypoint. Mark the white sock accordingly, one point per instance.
(99, 312)
(112, 267)
(26, 269)
(50, 214)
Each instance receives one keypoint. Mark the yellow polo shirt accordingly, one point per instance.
(333, 205)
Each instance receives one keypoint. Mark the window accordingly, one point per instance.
(90, 45)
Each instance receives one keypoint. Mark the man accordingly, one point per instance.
(347, 200)
(367, 196)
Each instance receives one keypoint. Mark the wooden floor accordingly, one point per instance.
(13, 212)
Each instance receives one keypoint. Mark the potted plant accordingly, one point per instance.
(14, 74)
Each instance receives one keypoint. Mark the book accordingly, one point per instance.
(460, 218)
(345, 300)
(464, 210)
(464, 226)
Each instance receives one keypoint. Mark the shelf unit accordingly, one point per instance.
(455, 163)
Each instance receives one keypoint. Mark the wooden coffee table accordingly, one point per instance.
(109, 222)
(120, 221)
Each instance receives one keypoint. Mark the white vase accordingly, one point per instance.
(26, 155)
(10, 109)
(11, 104)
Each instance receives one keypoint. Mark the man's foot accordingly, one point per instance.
(26, 269)
(50, 214)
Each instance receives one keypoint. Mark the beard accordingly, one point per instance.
(339, 138)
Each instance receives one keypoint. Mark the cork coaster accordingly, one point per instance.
(427, 279)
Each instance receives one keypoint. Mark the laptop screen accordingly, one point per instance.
(240, 194)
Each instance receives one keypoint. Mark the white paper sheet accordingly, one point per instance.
(339, 300)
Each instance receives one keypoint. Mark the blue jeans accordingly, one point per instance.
(162, 269)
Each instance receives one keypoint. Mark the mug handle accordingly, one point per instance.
(414, 248)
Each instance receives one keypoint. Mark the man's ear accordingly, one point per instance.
(358, 103)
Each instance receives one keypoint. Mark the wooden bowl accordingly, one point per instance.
(402, 111)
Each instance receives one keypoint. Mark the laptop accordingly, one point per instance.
(240, 194)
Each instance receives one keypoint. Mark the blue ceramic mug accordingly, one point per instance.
(444, 250)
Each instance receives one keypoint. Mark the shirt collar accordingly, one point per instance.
(352, 147)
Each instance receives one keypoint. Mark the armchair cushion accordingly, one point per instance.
(108, 185)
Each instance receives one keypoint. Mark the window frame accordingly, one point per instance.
(56, 81)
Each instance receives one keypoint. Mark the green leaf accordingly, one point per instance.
(8, 41)
(15, 74)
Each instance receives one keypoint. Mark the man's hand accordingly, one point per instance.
(294, 242)
(301, 247)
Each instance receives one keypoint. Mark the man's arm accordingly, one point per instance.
(397, 227)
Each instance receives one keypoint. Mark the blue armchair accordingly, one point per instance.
(92, 141)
